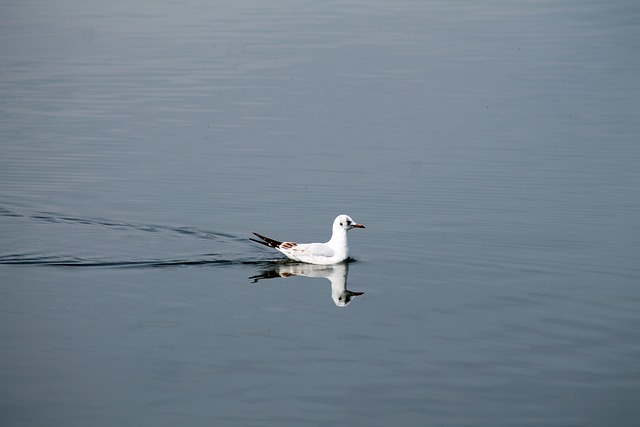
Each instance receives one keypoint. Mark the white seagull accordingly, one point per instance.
(334, 251)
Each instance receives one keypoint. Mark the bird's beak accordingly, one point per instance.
(356, 225)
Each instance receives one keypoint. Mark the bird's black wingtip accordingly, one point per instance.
(266, 240)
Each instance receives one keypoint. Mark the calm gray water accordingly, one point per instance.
(491, 149)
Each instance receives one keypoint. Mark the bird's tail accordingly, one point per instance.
(266, 241)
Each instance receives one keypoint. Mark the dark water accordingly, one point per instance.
(491, 149)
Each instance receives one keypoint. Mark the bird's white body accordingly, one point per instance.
(332, 252)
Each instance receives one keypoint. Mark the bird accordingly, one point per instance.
(334, 251)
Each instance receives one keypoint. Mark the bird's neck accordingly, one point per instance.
(338, 238)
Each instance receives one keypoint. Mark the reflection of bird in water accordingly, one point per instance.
(337, 275)
(334, 251)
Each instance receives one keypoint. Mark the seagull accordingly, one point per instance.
(334, 251)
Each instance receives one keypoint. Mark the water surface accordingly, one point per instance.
(490, 149)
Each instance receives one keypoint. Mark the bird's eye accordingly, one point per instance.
(348, 222)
